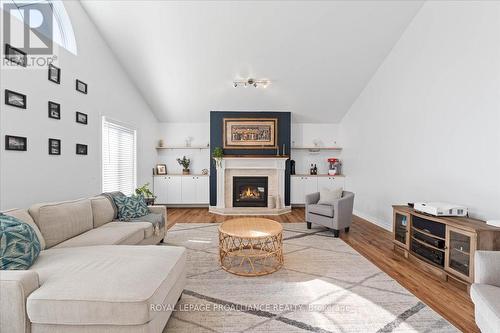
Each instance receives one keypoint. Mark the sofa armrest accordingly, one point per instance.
(342, 209)
(312, 198)
(15, 287)
(157, 209)
(487, 267)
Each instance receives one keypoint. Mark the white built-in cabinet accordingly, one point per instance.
(301, 185)
(181, 189)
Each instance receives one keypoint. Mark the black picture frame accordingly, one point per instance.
(54, 147)
(81, 149)
(17, 143)
(81, 118)
(16, 55)
(15, 99)
(54, 110)
(54, 74)
(81, 86)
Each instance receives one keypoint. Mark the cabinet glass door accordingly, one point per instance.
(460, 251)
(401, 227)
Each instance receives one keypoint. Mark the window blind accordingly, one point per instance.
(118, 158)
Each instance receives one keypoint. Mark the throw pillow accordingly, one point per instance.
(328, 197)
(19, 244)
(131, 207)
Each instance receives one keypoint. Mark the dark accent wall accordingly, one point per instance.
(216, 140)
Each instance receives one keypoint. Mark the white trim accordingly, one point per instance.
(378, 222)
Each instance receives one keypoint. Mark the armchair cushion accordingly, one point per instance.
(324, 210)
(486, 300)
(328, 197)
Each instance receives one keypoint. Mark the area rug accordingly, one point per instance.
(324, 286)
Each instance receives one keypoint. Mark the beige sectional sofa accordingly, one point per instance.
(88, 277)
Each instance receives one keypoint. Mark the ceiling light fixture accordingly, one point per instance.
(251, 83)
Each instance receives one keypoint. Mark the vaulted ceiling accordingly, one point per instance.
(184, 55)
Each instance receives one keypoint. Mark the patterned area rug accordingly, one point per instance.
(324, 286)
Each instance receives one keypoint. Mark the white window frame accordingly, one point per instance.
(116, 123)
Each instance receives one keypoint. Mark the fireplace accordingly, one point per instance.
(249, 191)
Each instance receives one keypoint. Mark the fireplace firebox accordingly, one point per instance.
(249, 191)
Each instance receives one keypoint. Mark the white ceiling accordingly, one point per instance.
(183, 56)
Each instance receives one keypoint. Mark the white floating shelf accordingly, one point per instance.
(317, 148)
(183, 147)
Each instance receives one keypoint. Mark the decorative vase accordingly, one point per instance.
(160, 143)
(185, 171)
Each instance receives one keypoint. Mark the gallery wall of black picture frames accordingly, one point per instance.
(17, 57)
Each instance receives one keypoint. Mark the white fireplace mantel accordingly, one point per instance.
(275, 164)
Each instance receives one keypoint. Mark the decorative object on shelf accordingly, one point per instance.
(81, 86)
(16, 99)
(15, 55)
(146, 193)
(160, 143)
(208, 145)
(185, 164)
(204, 172)
(54, 147)
(251, 83)
(54, 74)
(54, 110)
(217, 155)
(81, 149)
(188, 141)
(161, 169)
(18, 143)
(335, 167)
(81, 118)
(250, 133)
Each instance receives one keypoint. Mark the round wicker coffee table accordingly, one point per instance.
(251, 246)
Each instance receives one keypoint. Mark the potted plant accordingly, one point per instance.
(217, 155)
(185, 164)
(144, 190)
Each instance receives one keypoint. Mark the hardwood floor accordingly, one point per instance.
(375, 244)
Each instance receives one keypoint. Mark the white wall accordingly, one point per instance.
(34, 176)
(426, 127)
(303, 134)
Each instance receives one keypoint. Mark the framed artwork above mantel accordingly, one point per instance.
(250, 133)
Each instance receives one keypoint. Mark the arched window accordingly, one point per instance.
(62, 30)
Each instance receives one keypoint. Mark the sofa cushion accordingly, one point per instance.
(486, 300)
(325, 210)
(131, 207)
(328, 197)
(123, 234)
(146, 226)
(24, 216)
(19, 245)
(102, 210)
(108, 285)
(60, 221)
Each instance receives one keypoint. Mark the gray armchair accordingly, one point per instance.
(336, 217)
(485, 291)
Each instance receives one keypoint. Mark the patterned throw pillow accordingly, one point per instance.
(131, 207)
(19, 244)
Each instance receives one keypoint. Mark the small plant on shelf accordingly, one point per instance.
(185, 164)
(144, 190)
(218, 154)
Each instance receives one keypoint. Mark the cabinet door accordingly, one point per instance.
(189, 189)
(160, 189)
(459, 255)
(330, 182)
(297, 190)
(174, 192)
(310, 186)
(401, 229)
(202, 190)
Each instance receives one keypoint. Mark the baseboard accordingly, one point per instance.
(381, 223)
